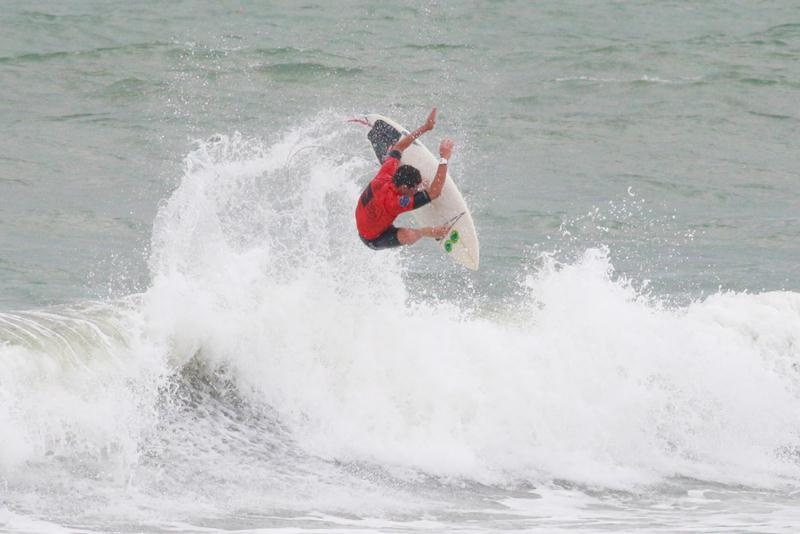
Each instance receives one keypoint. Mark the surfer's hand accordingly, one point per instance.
(446, 148)
(438, 232)
(430, 122)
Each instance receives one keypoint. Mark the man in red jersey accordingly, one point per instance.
(395, 190)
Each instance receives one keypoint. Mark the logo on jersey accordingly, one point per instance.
(405, 201)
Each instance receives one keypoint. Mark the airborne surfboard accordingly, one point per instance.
(461, 242)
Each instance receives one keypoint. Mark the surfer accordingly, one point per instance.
(397, 189)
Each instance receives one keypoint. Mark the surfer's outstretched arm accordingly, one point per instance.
(406, 140)
(445, 150)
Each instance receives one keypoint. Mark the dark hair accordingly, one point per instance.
(406, 175)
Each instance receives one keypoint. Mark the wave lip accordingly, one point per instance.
(75, 381)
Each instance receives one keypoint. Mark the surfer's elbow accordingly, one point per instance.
(436, 189)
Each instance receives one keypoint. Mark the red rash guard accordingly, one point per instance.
(381, 202)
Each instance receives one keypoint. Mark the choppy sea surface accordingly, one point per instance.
(193, 338)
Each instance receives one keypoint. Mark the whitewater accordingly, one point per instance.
(277, 374)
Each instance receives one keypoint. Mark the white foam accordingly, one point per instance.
(257, 269)
(589, 380)
(75, 381)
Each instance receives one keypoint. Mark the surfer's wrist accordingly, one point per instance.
(442, 160)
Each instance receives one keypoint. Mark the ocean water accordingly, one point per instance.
(193, 338)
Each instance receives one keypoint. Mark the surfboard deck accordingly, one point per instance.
(461, 242)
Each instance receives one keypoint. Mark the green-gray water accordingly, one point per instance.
(193, 336)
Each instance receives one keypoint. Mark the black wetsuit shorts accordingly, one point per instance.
(387, 239)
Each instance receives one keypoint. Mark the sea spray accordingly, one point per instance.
(276, 359)
(588, 379)
(667, 390)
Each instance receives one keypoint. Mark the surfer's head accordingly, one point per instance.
(407, 176)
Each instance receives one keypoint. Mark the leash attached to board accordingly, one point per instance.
(452, 222)
(360, 121)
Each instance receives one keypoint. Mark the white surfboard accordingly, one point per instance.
(461, 243)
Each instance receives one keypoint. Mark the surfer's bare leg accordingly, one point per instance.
(409, 236)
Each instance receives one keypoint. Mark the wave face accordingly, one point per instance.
(276, 359)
